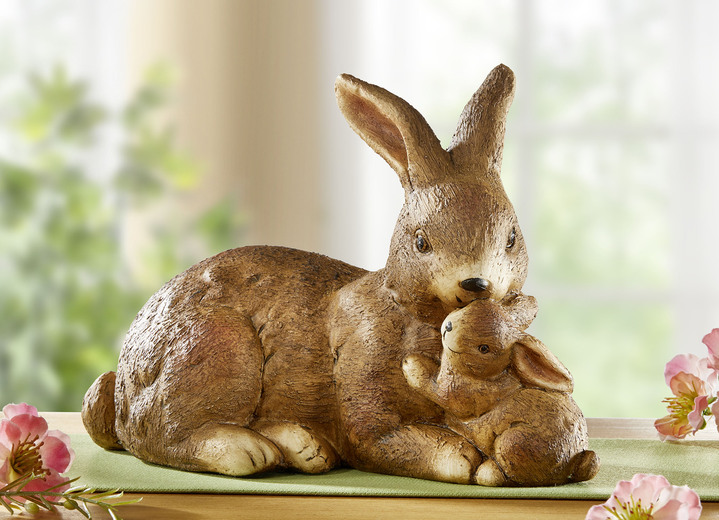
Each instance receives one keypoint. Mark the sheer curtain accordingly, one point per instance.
(246, 105)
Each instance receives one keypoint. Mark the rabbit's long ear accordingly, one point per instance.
(479, 139)
(536, 366)
(393, 129)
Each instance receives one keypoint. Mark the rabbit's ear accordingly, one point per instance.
(537, 366)
(479, 139)
(393, 129)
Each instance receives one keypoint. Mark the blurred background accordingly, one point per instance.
(139, 137)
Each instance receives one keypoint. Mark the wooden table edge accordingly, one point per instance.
(161, 506)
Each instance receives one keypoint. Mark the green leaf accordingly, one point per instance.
(18, 190)
(57, 104)
(67, 296)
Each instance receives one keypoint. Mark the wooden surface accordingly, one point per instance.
(158, 506)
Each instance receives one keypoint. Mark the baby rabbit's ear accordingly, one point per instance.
(479, 139)
(537, 366)
(393, 129)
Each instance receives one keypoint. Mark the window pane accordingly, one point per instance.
(601, 214)
(595, 62)
(615, 350)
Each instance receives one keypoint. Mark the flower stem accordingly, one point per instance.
(74, 498)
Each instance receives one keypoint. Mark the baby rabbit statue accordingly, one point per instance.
(507, 393)
(266, 357)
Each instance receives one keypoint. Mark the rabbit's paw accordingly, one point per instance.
(489, 474)
(302, 449)
(233, 450)
(418, 370)
(454, 459)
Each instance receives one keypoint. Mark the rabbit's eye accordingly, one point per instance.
(484, 349)
(511, 239)
(422, 243)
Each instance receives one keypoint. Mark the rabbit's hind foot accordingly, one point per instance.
(583, 466)
(302, 449)
(233, 450)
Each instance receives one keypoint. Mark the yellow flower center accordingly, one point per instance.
(680, 407)
(25, 459)
(631, 511)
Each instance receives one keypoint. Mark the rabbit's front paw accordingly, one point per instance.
(417, 370)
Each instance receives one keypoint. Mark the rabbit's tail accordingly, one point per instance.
(583, 466)
(98, 412)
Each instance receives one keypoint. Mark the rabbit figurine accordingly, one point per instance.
(266, 357)
(505, 391)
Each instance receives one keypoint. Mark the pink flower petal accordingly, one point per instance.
(677, 502)
(5, 472)
(696, 416)
(60, 436)
(715, 411)
(711, 340)
(672, 510)
(10, 433)
(669, 428)
(688, 363)
(622, 491)
(5, 461)
(31, 425)
(689, 385)
(647, 487)
(55, 452)
(597, 513)
(11, 410)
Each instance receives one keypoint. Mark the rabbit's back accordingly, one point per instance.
(238, 337)
(538, 437)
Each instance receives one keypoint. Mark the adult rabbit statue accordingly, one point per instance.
(266, 357)
(505, 391)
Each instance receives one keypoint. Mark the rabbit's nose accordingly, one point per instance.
(474, 284)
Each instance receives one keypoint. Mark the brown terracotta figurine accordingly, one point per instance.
(267, 357)
(510, 396)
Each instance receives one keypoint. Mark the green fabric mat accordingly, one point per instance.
(694, 463)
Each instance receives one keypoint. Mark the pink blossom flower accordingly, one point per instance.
(648, 497)
(687, 407)
(711, 340)
(672, 428)
(27, 447)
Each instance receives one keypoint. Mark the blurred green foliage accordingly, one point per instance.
(66, 294)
